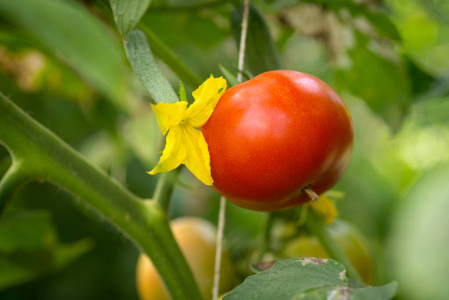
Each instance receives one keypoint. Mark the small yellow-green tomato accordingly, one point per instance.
(352, 242)
(197, 239)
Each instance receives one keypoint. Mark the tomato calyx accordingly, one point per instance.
(311, 193)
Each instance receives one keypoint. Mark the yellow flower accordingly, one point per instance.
(185, 144)
(325, 207)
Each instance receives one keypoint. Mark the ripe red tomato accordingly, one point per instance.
(275, 135)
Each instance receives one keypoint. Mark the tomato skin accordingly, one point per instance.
(273, 136)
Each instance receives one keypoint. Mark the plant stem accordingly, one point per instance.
(13, 178)
(44, 156)
(316, 226)
(242, 45)
(222, 211)
(267, 233)
(218, 251)
(164, 188)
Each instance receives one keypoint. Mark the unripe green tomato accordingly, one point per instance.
(197, 239)
(352, 242)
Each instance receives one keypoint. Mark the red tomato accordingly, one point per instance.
(275, 135)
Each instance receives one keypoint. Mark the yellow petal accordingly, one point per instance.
(169, 114)
(325, 207)
(174, 153)
(198, 159)
(206, 98)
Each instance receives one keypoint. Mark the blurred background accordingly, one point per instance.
(63, 62)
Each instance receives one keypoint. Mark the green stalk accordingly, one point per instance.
(266, 246)
(38, 154)
(14, 177)
(316, 226)
(164, 188)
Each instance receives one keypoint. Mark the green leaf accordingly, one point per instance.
(66, 253)
(381, 82)
(26, 231)
(127, 13)
(162, 51)
(419, 238)
(190, 43)
(146, 68)
(70, 33)
(307, 278)
(381, 22)
(182, 92)
(261, 54)
(15, 270)
(232, 80)
(423, 31)
(186, 27)
(29, 247)
(142, 134)
(386, 291)
(422, 81)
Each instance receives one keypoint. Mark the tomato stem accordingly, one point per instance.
(164, 189)
(312, 195)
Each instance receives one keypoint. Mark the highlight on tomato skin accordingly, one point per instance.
(275, 135)
(197, 239)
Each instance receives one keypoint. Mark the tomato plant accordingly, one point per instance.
(351, 241)
(276, 135)
(272, 140)
(196, 238)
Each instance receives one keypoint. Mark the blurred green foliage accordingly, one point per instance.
(63, 62)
